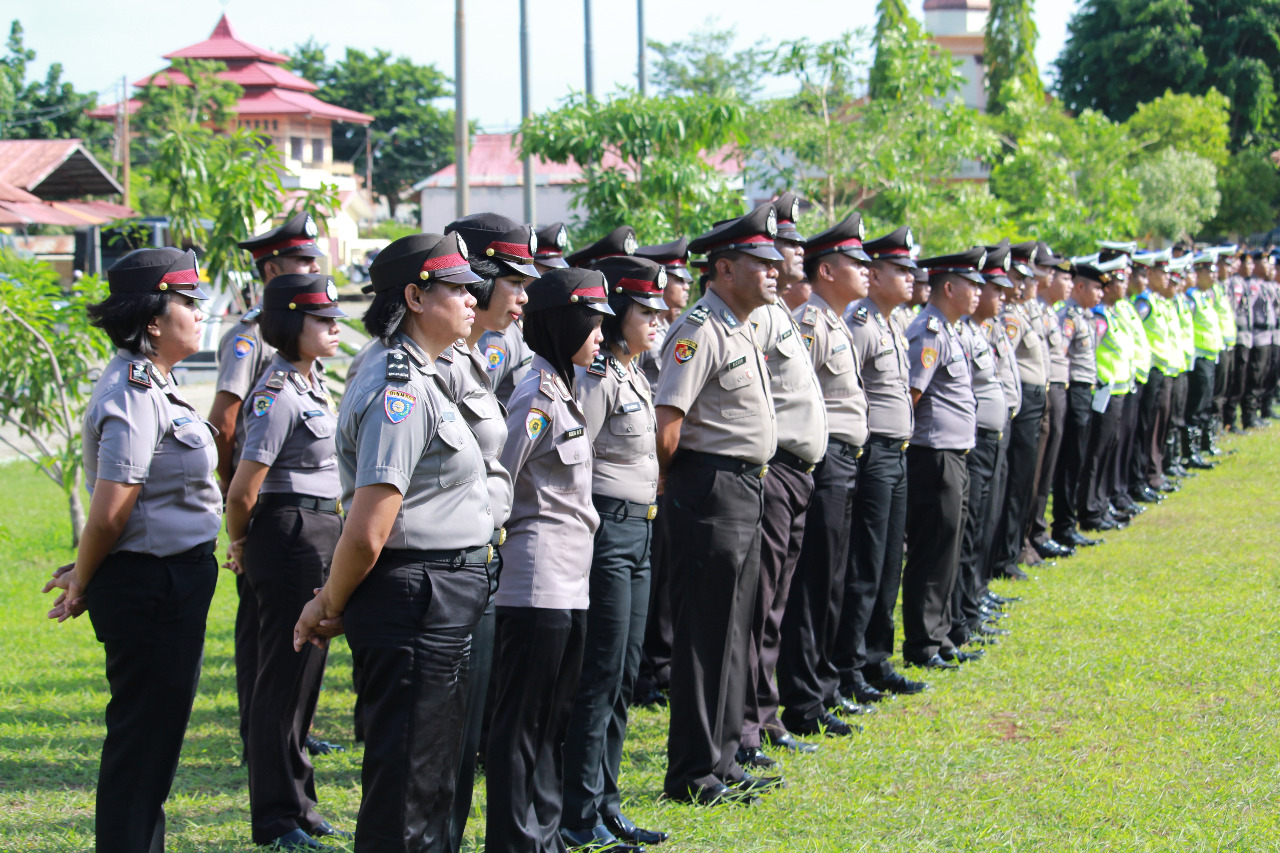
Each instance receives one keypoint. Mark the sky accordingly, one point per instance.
(99, 43)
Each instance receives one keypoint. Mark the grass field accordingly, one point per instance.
(1134, 708)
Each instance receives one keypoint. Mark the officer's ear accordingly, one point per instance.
(415, 297)
(722, 268)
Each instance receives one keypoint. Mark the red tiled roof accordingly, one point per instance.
(53, 167)
(246, 75)
(8, 192)
(76, 214)
(286, 102)
(224, 44)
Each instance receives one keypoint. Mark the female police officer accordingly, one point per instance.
(618, 406)
(541, 604)
(145, 568)
(409, 577)
(287, 483)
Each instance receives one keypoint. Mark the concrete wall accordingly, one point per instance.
(439, 205)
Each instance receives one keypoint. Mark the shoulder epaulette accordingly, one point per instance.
(597, 366)
(397, 366)
(139, 375)
(276, 382)
(810, 317)
(447, 356)
(251, 316)
(547, 385)
(861, 314)
(833, 319)
(414, 355)
(699, 315)
(300, 382)
(933, 325)
(618, 370)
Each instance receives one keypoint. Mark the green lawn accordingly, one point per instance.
(1134, 708)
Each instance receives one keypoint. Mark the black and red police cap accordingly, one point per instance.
(553, 242)
(560, 288)
(636, 277)
(967, 264)
(845, 237)
(494, 236)
(674, 256)
(165, 270)
(894, 247)
(787, 206)
(421, 259)
(305, 292)
(751, 234)
(995, 269)
(619, 242)
(295, 238)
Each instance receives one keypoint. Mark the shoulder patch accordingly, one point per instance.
(262, 401)
(547, 385)
(808, 341)
(139, 375)
(810, 317)
(244, 345)
(1143, 307)
(933, 325)
(1069, 327)
(397, 404)
(251, 316)
(397, 369)
(1100, 325)
(535, 422)
(597, 366)
(494, 355)
(1011, 328)
(684, 350)
(699, 315)
(417, 359)
(276, 380)
(928, 356)
(861, 314)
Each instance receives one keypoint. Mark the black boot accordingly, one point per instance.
(1191, 446)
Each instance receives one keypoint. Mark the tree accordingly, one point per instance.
(47, 349)
(411, 136)
(891, 17)
(48, 109)
(707, 65)
(1195, 123)
(655, 161)
(1179, 194)
(1242, 47)
(1250, 188)
(1010, 52)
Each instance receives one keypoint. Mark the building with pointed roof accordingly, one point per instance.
(961, 27)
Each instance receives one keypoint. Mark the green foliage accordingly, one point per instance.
(47, 350)
(412, 137)
(1195, 123)
(166, 102)
(647, 160)
(390, 229)
(891, 17)
(706, 65)
(1250, 187)
(45, 109)
(1179, 194)
(1010, 52)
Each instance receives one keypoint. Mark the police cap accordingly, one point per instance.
(751, 234)
(310, 294)
(493, 236)
(553, 242)
(1045, 257)
(845, 237)
(995, 269)
(165, 270)
(787, 207)
(296, 237)
(639, 278)
(1092, 273)
(1022, 257)
(968, 264)
(617, 243)
(421, 259)
(894, 247)
(674, 256)
(560, 288)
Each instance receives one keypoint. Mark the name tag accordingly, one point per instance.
(785, 335)
(576, 432)
(631, 407)
(448, 416)
(737, 362)
(840, 348)
(314, 413)
(181, 421)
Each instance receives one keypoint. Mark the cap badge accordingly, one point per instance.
(910, 239)
(310, 228)
(771, 223)
(462, 244)
(629, 245)
(662, 276)
(533, 242)
(795, 209)
(862, 229)
(562, 238)
(331, 291)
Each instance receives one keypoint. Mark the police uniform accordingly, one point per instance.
(1079, 330)
(1055, 412)
(716, 376)
(409, 622)
(545, 591)
(617, 405)
(937, 477)
(1114, 364)
(674, 257)
(1239, 295)
(149, 598)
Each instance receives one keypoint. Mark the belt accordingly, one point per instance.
(1091, 386)
(844, 448)
(898, 444)
(628, 509)
(303, 501)
(786, 457)
(1057, 385)
(457, 557)
(997, 434)
(499, 537)
(723, 463)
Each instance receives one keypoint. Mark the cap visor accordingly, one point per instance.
(900, 260)
(522, 269)
(462, 276)
(329, 311)
(195, 293)
(681, 273)
(557, 263)
(789, 234)
(857, 254)
(312, 251)
(767, 253)
(1001, 280)
(602, 307)
(654, 302)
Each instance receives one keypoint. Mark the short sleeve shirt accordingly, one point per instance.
(837, 364)
(946, 414)
(714, 372)
(291, 426)
(1056, 339)
(1006, 364)
(242, 358)
(618, 406)
(1025, 337)
(797, 397)
(1078, 329)
(508, 358)
(993, 411)
(882, 354)
(397, 425)
(465, 373)
(137, 428)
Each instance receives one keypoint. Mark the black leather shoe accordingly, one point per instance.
(897, 684)
(328, 830)
(992, 631)
(753, 756)
(1101, 524)
(1001, 600)
(825, 723)
(598, 838)
(865, 694)
(990, 615)
(296, 839)
(713, 795)
(1080, 540)
(622, 827)
(958, 656)
(749, 784)
(935, 662)
(1051, 549)
(845, 707)
(788, 742)
(651, 698)
(315, 746)
(1014, 573)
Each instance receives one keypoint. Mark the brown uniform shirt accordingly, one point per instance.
(835, 359)
(882, 356)
(797, 397)
(618, 407)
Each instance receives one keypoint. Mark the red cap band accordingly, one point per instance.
(895, 252)
(851, 243)
(187, 276)
(516, 250)
(311, 298)
(275, 248)
(596, 292)
(639, 284)
(444, 262)
(754, 239)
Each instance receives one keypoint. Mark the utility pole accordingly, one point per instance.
(586, 20)
(368, 166)
(530, 188)
(461, 135)
(124, 137)
(640, 63)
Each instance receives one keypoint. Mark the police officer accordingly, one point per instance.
(1239, 295)
(145, 568)
(674, 258)
(1224, 376)
(1155, 308)
(505, 250)
(937, 477)
(543, 598)
(716, 435)
(1113, 359)
(793, 288)
(808, 678)
(618, 406)
(1207, 338)
(553, 242)
(879, 507)
(409, 578)
(283, 523)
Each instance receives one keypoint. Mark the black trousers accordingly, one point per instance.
(981, 463)
(1179, 391)
(538, 661)
(1269, 380)
(1047, 461)
(1148, 396)
(479, 674)
(1239, 376)
(1255, 376)
(864, 642)
(286, 558)
(1069, 472)
(937, 490)
(999, 486)
(655, 652)
(1094, 492)
(246, 655)
(1020, 486)
(1222, 384)
(615, 630)
(409, 626)
(149, 614)
(817, 589)
(1162, 422)
(713, 530)
(787, 496)
(1122, 479)
(1200, 393)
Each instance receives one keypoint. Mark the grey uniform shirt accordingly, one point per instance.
(618, 406)
(1025, 337)
(993, 409)
(946, 415)
(291, 426)
(882, 356)
(797, 398)
(902, 316)
(1242, 304)
(837, 364)
(1263, 312)
(650, 361)
(139, 429)
(714, 372)
(465, 373)
(1006, 365)
(547, 558)
(397, 425)
(242, 357)
(1056, 340)
(358, 359)
(1079, 332)
(508, 358)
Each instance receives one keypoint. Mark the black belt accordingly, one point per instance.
(1059, 385)
(898, 444)
(458, 557)
(303, 501)
(997, 434)
(844, 448)
(786, 457)
(722, 463)
(1091, 386)
(1031, 389)
(628, 509)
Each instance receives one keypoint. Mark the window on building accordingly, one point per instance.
(295, 147)
(317, 151)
